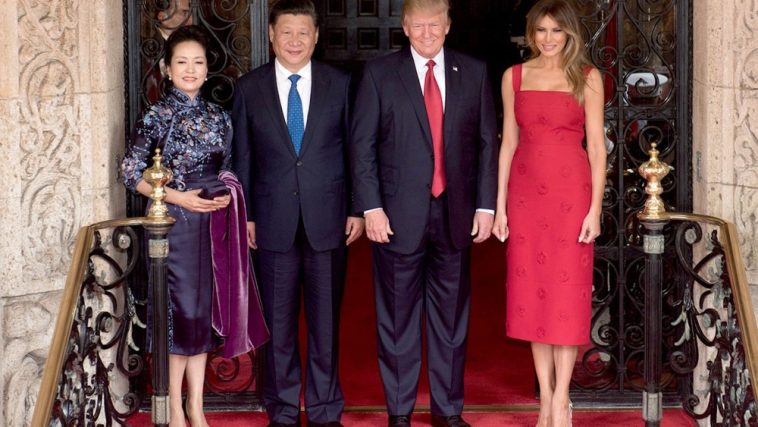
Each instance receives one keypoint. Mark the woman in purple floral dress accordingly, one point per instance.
(195, 139)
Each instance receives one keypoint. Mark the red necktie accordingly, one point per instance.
(433, 102)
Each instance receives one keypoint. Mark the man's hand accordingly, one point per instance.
(353, 228)
(251, 235)
(482, 226)
(378, 226)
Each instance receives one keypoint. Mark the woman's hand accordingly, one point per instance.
(500, 229)
(192, 201)
(223, 200)
(590, 228)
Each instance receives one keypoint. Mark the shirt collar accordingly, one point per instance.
(420, 61)
(284, 74)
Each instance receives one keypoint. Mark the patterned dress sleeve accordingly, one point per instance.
(226, 165)
(138, 151)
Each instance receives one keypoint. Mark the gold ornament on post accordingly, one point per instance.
(158, 176)
(653, 171)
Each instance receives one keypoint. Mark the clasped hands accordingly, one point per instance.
(192, 201)
(378, 226)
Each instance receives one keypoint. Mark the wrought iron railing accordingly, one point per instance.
(715, 335)
(93, 332)
(85, 381)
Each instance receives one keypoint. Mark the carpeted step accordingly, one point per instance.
(625, 418)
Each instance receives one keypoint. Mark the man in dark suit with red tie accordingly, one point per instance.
(424, 165)
(290, 152)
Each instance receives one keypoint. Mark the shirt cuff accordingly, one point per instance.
(370, 210)
(489, 211)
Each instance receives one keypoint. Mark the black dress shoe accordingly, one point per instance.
(399, 421)
(327, 424)
(451, 421)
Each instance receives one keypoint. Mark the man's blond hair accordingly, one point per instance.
(426, 5)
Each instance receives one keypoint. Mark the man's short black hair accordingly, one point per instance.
(292, 7)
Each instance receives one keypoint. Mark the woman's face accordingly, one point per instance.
(549, 37)
(188, 67)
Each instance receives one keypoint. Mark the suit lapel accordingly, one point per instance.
(409, 77)
(452, 91)
(319, 92)
(268, 90)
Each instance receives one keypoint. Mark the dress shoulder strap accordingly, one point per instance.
(516, 77)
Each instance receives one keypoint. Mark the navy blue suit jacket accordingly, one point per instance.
(391, 146)
(279, 185)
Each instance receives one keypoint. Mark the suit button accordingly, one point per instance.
(295, 193)
(299, 163)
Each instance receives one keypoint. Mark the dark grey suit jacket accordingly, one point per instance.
(391, 146)
(279, 185)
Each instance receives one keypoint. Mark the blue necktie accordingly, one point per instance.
(295, 115)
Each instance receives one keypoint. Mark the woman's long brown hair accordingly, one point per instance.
(575, 60)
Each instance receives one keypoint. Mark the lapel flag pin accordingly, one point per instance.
(455, 68)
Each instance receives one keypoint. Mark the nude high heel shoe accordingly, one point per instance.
(571, 413)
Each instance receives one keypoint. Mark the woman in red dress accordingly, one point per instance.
(549, 198)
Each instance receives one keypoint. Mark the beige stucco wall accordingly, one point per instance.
(61, 130)
(725, 119)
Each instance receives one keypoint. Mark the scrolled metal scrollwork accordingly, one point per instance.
(101, 336)
(708, 333)
(229, 55)
(638, 49)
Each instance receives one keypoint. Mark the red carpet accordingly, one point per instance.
(671, 418)
(499, 374)
(498, 370)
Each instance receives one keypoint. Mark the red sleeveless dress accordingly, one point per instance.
(549, 273)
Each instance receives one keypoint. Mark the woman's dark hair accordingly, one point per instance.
(292, 7)
(187, 33)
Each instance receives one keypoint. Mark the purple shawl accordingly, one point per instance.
(237, 312)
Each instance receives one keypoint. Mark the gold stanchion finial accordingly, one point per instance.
(653, 171)
(158, 176)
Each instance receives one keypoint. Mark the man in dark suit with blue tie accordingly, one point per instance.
(290, 140)
(424, 159)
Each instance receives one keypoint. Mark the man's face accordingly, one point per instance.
(175, 16)
(293, 38)
(426, 30)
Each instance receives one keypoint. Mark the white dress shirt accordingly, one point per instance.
(283, 85)
(439, 70)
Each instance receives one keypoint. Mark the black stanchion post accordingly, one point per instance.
(653, 218)
(158, 224)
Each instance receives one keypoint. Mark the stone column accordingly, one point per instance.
(725, 119)
(61, 131)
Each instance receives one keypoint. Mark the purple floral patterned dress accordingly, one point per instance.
(195, 137)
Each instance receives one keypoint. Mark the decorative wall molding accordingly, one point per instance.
(745, 47)
(50, 139)
(27, 332)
